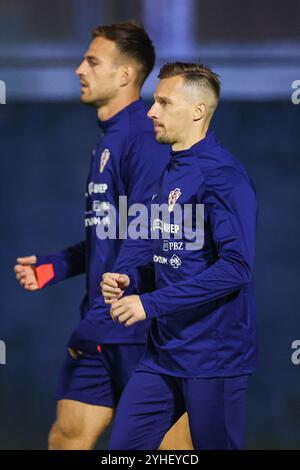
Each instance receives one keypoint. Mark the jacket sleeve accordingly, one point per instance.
(230, 201)
(142, 279)
(57, 267)
(85, 337)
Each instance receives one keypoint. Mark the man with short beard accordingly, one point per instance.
(201, 346)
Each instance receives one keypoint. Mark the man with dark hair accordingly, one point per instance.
(132, 41)
(201, 346)
(127, 161)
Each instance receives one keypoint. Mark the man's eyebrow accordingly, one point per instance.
(92, 57)
(162, 98)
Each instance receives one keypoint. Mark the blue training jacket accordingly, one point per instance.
(203, 311)
(127, 161)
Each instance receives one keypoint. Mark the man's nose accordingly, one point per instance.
(151, 112)
(80, 69)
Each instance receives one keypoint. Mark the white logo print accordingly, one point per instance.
(100, 206)
(104, 159)
(172, 246)
(175, 261)
(96, 188)
(164, 227)
(160, 259)
(154, 196)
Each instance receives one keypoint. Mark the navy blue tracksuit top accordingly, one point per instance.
(203, 311)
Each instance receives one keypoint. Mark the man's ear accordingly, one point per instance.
(199, 112)
(127, 75)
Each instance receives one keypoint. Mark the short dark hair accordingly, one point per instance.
(133, 41)
(192, 73)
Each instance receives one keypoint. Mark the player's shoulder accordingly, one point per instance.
(219, 164)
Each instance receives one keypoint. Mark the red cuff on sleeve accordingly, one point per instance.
(44, 274)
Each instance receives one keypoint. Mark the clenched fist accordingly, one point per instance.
(113, 286)
(25, 272)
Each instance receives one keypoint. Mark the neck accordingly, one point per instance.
(115, 105)
(191, 138)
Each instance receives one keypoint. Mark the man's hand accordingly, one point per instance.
(25, 272)
(113, 286)
(128, 310)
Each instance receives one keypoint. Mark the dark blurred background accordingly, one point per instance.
(47, 136)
